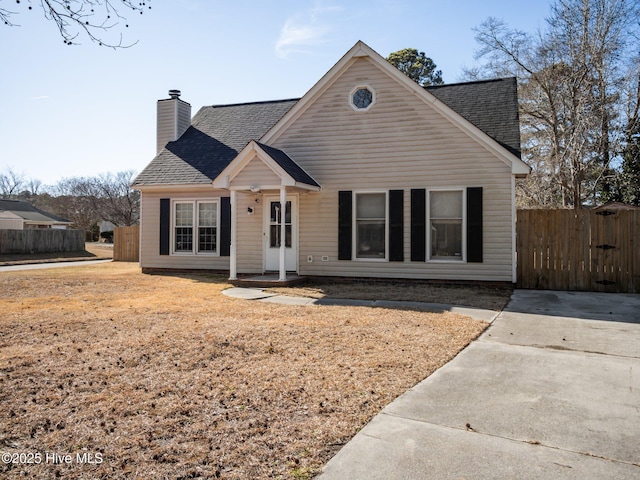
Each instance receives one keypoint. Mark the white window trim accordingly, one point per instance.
(194, 203)
(463, 260)
(373, 97)
(354, 226)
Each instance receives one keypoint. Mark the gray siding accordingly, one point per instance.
(150, 233)
(400, 143)
(256, 173)
(249, 233)
(173, 119)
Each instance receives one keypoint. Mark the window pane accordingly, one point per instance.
(184, 239)
(287, 213)
(184, 214)
(446, 239)
(274, 236)
(370, 225)
(207, 239)
(446, 204)
(207, 214)
(370, 241)
(371, 205)
(275, 212)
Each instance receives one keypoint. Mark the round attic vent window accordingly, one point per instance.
(362, 98)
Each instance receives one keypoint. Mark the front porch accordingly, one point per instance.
(275, 181)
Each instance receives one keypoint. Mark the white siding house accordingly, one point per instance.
(367, 175)
(20, 215)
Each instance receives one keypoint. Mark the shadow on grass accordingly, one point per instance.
(492, 297)
(203, 277)
(27, 258)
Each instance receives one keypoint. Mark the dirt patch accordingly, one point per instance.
(491, 298)
(164, 377)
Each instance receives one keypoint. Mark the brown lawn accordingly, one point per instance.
(164, 377)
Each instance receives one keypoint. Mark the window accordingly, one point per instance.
(446, 224)
(195, 228)
(275, 222)
(362, 98)
(371, 225)
(184, 227)
(207, 223)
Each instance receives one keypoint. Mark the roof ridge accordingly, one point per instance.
(262, 102)
(473, 82)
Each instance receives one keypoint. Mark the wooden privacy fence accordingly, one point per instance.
(588, 250)
(126, 244)
(41, 241)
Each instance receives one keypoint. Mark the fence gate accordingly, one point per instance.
(589, 250)
(126, 244)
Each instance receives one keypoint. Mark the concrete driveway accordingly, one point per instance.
(550, 390)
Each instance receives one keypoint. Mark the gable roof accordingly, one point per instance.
(485, 110)
(508, 154)
(491, 105)
(216, 135)
(29, 213)
(288, 165)
(289, 173)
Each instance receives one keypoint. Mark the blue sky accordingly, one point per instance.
(84, 110)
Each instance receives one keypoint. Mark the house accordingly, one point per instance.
(615, 206)
(378, 177)
(19, 215)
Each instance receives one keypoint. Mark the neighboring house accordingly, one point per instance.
(19, 215)
(379, 177)
(611, 205)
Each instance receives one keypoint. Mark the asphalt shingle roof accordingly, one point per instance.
(491, 105)
(218, 133)
(289, 166)
(29, 212)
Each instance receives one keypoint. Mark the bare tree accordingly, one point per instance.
(92, 18)
(570, 79)
(11, 183)
(66, 200)
(115, 201)
(108, 197)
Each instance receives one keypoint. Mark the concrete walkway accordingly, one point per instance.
(550, 390)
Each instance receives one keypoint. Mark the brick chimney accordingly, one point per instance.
(174, 117)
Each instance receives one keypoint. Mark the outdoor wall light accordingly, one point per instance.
(250, 211)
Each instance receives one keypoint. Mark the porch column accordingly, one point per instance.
(233, 274)
(283, 234)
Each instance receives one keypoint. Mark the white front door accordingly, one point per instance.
(273, 222)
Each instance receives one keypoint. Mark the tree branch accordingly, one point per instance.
(75, 18)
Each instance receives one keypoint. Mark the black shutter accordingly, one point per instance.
(396, 225)
(345, 225)
(474, 224)
(165, 225)
(225, 226)
(418, 225)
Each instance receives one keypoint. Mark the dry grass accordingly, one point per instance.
(491, 298)
(167, 378)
